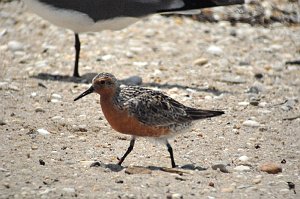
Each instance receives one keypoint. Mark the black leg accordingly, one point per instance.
(128, 151)
(171, 154)
(77, 53)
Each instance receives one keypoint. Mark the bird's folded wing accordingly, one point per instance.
(155, 108)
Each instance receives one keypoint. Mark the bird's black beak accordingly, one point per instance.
(88, 91)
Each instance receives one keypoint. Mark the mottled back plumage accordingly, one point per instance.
(155, 108)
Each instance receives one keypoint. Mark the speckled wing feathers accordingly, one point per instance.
(154, 108)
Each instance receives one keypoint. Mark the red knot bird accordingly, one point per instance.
(97, 15)
(142, 112)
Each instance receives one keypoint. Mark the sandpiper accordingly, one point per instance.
(142, 112)
(97, 15)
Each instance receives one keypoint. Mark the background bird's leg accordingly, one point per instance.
(77, 53)
(128, 151)
(171, 154)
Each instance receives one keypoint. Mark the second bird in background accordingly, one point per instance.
(142, 112)
(97, 15)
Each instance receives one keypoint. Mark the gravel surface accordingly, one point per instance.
(48, 142)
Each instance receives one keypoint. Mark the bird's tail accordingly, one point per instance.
(196, 114)
(199, 4)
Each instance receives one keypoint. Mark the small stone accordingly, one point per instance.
(33, 94)
(243, 158)
(232, 79)
(39, 110)
(42, 162)
(215, 50)
(208, 97)
(133, 80)
(253, 89)
(13, 88)
(289, 104)
(69, 190)
(6, 185)
(200, 61)
(251, 123)
(271, 168)
(15, 46)
(254, 102)
(2, 122)
(55, 100)
(106, 57)
(220, 167)
(140, 64)
(211, 184)
(242, 168)
(258, 75)
(175, 196)
(41, 64)
(243, 103)
(56, 118)
(256, 180)
(56, 96)
(95, 164)
(43, 132)
(137, 170)
(227, 190)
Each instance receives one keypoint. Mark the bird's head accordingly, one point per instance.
(104, 84)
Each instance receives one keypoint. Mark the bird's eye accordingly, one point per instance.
(102, 82)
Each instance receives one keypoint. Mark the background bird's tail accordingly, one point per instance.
(199, 4)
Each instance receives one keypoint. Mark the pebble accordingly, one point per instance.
(33, 94)
(175, 196)
(69, 190)
(15, 46)
(41, 64)
(133, 80)
(243, 158)
(43, 132)
(251, 123)
(58, 117)
(107, 57)
(227, 190)
(55, 100)
(242, 168)
(215, 50)
(243, 103)
(271, 168)
(232, 79)
(13, 88)
(39, 110)
(140, 64)
(256, 180)
(254, 101)
(200, 61)
(289, 104)
(220, 167)
(56, 96)
(2, 122)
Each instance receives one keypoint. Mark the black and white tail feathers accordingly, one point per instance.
(198, 4)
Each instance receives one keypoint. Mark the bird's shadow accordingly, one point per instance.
(179, 170)
(133, 80)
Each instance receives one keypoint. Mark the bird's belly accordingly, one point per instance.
(122, 122)
(76, 21)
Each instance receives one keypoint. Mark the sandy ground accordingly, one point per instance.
(240, 69)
